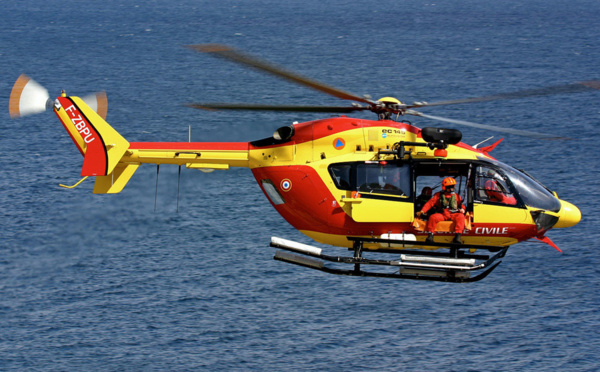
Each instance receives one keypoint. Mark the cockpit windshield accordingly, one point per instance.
(531, 191)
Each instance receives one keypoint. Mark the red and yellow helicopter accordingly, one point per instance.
(345, 181)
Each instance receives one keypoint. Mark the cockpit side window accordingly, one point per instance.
(384, 179)
(491, 186)
(341, 176)
(381, 178)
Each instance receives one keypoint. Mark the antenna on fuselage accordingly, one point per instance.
(484, 141)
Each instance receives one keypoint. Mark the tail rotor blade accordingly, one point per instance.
(97, 102)
(27, 98)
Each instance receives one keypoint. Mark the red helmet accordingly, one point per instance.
(448, 181)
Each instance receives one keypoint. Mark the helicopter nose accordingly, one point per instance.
(569, 215)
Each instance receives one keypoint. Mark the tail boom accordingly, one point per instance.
(196, 155)
(199, 155)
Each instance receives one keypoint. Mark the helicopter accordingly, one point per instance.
(344, 181)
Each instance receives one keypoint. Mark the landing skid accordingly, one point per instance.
(454, 263)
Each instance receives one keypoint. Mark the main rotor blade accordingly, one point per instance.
(518, 132)
(582, 86)
(255, 107)
(235, 55)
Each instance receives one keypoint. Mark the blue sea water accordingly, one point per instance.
(105, 282)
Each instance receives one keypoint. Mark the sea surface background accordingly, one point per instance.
(105, 282)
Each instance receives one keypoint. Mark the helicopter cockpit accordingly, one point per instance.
(529, 190)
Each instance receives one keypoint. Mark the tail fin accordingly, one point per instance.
(101, 146)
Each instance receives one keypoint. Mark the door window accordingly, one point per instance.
(373, 177)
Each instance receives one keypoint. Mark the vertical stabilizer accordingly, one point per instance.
(101, 145)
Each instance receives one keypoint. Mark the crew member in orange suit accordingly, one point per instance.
(495, 193)
(448, 207)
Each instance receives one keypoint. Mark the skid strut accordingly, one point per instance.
(454, 263)
(358, 247)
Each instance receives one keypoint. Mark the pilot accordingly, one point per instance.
(495, 194)
(448, 207)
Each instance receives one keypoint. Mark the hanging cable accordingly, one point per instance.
(178, 183)
(156, 190)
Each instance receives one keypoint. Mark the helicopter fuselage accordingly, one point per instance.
(343, 177)
(331, 180)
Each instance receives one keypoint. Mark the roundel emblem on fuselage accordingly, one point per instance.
(339, 143)
(286, 185)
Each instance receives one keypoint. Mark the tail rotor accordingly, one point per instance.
(28, 97)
